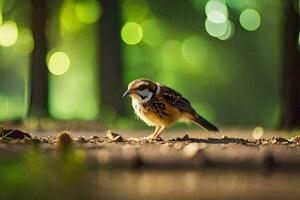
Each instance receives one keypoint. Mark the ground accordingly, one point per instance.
(225, 165)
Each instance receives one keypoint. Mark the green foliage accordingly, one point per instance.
(230, 80)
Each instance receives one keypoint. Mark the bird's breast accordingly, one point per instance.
(154, 112)
(141, 112)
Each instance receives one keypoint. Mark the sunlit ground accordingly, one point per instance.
(132, 127)
(51, 173)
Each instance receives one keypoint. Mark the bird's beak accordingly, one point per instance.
(127, 93)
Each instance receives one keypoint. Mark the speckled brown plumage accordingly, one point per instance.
(161, 106)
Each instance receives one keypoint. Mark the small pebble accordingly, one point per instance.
(64, 139)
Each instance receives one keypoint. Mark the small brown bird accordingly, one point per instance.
(160, 106)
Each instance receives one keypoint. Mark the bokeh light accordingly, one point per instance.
(8, 34)
(152, 31)
(88, 11)
(135, 10)
(171, 53)
(132, 33)
(216, 11)
(193, 50)
(258, 132)
(229, 31)
(25, 42)
(250, 19)
(172, 61)
(68, 19)
(215, 29)
(59, 63)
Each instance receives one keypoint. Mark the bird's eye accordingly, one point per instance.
(142, 87)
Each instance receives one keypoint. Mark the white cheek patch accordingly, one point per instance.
(145, 93)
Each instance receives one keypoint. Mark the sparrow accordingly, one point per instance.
(161, 106)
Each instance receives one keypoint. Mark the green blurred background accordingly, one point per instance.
(225, 56)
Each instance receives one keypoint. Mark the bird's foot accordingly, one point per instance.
(153, 137)
(150, 137)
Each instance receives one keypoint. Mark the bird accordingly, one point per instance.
(161, 106)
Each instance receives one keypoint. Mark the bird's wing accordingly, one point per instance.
(176, 99)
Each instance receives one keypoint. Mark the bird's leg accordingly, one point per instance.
(157, 128)
(157, 134)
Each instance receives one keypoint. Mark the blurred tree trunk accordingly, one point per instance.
(39, 73)
(291, 67)
(111, 73)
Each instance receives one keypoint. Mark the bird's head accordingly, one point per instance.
(142, 90)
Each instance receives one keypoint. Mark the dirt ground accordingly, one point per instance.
(211, 150)
(182, 165)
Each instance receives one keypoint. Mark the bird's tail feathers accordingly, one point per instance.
(203, 123)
